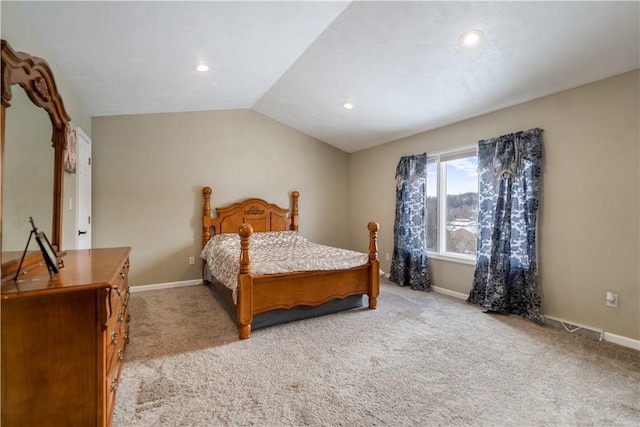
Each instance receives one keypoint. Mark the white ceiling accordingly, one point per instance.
(399, 63)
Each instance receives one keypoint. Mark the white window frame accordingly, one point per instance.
(440, 253)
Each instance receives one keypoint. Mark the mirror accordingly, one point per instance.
(27, 175)
(38, 169)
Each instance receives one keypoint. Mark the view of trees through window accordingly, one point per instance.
(456, 215)
(462, 225)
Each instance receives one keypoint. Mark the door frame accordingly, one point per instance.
(81, 135)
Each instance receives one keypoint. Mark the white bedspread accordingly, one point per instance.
(274, 252)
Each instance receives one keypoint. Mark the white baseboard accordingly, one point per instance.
(449, 292)
(157, 286)
(606, 336)
(623, 341)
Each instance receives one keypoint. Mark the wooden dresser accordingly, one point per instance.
(63, 340)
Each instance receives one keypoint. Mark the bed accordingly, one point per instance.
(282, 296)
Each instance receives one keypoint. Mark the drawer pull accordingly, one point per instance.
(125, 335)
(117, 289)
(122, 275)
(120, 316)
(126, 298)
(120, 355)
(109, 301)
(114, 385)
(114, 338)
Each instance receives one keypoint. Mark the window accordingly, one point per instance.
(452, 204)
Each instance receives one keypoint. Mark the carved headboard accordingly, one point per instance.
(261, 215)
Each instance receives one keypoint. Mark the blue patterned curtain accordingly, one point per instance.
(409, 262)
(505, 274)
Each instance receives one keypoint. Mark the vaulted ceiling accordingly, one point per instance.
(400, 63)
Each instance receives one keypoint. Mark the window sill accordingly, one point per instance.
(461, 259)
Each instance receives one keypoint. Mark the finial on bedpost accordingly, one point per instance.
(373, 239)
(245, 231)
(294, 216)
(206, 216)
(245, 293)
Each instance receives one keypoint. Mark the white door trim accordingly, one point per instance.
(83, 195)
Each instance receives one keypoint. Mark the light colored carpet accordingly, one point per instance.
(420, 359)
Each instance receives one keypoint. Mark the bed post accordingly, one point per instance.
(206, 216)
(294, 215)
(206, 225)
(374, 273)
(245, 284)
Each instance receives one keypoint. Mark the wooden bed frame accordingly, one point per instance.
(260, 294)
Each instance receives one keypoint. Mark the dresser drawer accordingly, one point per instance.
(117, 335)
(117, 323)
(121, 285)
(112, 381)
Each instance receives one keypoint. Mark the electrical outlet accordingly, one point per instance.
(387, 256)
(612, 299)
(192, 260)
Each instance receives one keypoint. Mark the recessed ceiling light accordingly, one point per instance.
(471, 38)
(348, 105)
(202, 68)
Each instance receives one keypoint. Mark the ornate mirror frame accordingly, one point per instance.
(36, 78)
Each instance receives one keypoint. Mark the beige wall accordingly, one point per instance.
(19, 33)
(589, 232)
(149, 170)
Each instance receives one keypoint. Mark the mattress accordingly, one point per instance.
(274, 252)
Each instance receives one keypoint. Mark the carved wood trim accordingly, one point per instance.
(34, 75)
(254, 210)
(262, 215)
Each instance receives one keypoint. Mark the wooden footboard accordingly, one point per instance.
(260, 294)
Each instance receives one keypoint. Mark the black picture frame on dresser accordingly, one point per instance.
(49, 255)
